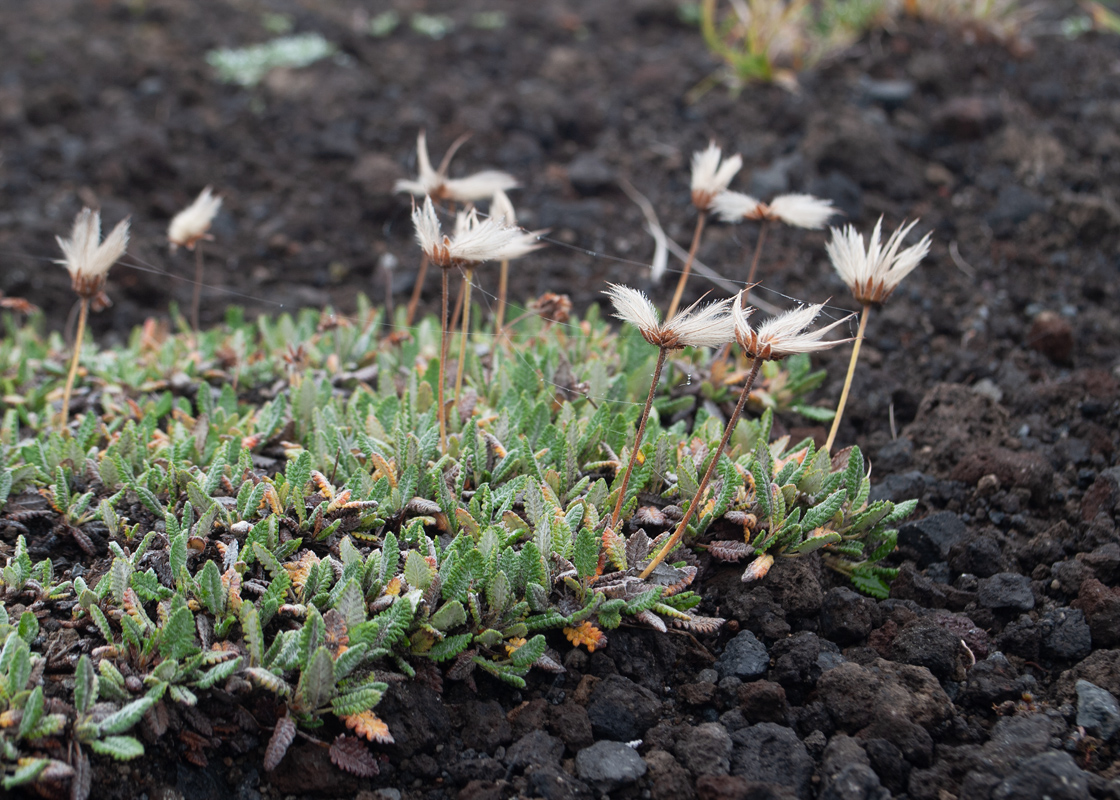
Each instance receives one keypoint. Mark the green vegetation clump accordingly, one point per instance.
(263, 510)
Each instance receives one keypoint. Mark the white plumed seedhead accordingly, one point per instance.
(695, 326)
(710, 176)
(798, 210)
(785, 335)
(435, 183)
(802, 210)
(474, 241)
(736, 207)
(873, 274)
(87, 258)
(193, 222)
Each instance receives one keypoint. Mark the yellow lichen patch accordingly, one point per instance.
(586, 634)
(370, 726)
(512, 645)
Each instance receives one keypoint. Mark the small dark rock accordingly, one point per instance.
(1028, 469)
(846, 616)
(900, 486)
(705, 749)
(483, 769)
(772, 754)
(930, 539)
(992, 681)
(887, 761)
(535, 748)
(912, 740)
(856, 695)
(1065, 634)
(1013, 205)
(666, 778)
(763, 701)
(890, 94)
(895, 456)
(551, 783)
(797, 660)
(1052, 335)
(1102, 609)
(1006, 591)
(855, 782)
(1047, 776)
(608, 765)
(589, 174)
(980, 556)
(924, 643)
(732, 787)
(744, 657)
(1097, 710)
(1103, 495)
(485, 727)
(621, 709)
(569, 722)
(968, 117)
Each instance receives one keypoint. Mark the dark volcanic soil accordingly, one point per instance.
(997, 361)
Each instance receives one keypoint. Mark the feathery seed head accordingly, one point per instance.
(735, 206)
(785, 334)
(873, 274)
(798, 210)
(192, 223)
(802, 210)
(433, 183)
(474, 241)
(87, 258)
(695, 326)
(501, 209)
(710, 177)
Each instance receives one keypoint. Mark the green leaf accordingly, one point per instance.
(27, 772)
(450, 647)
(212, 592)
(32, 712)
(316, 682)
(450, 615)
(417, 572)
(528, 653)
(121, 721)
(122, 748)
(85, 685)
(176, 639)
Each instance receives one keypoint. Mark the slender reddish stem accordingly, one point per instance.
(196, 297)
(444, 339)
(687, 266)
(661, 353)
(679, 532)
(754, 261)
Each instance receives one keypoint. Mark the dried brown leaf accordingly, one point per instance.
(282, 736)
(352, 755)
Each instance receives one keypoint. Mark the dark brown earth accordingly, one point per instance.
(998, 360)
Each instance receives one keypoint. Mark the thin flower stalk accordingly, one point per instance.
(711, 175)
(696, 326)
(501, 207)
(779, 337)
(795, 210)
(88, 260)
(872, 274)
(474, 242)
(188, 229)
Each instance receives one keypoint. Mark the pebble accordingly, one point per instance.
(705, 749)
(1052, 335)
(890, 94)
(847, 617)
(590, 175)
(744, 657)
(1097, 710)
(1006, 590)
(622, 710)
(1065, 634)
(609, 765)
(931, 537)
(1047, 776)
(772, 753)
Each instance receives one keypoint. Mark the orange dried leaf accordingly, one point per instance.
(586, 634)
(370, 726)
